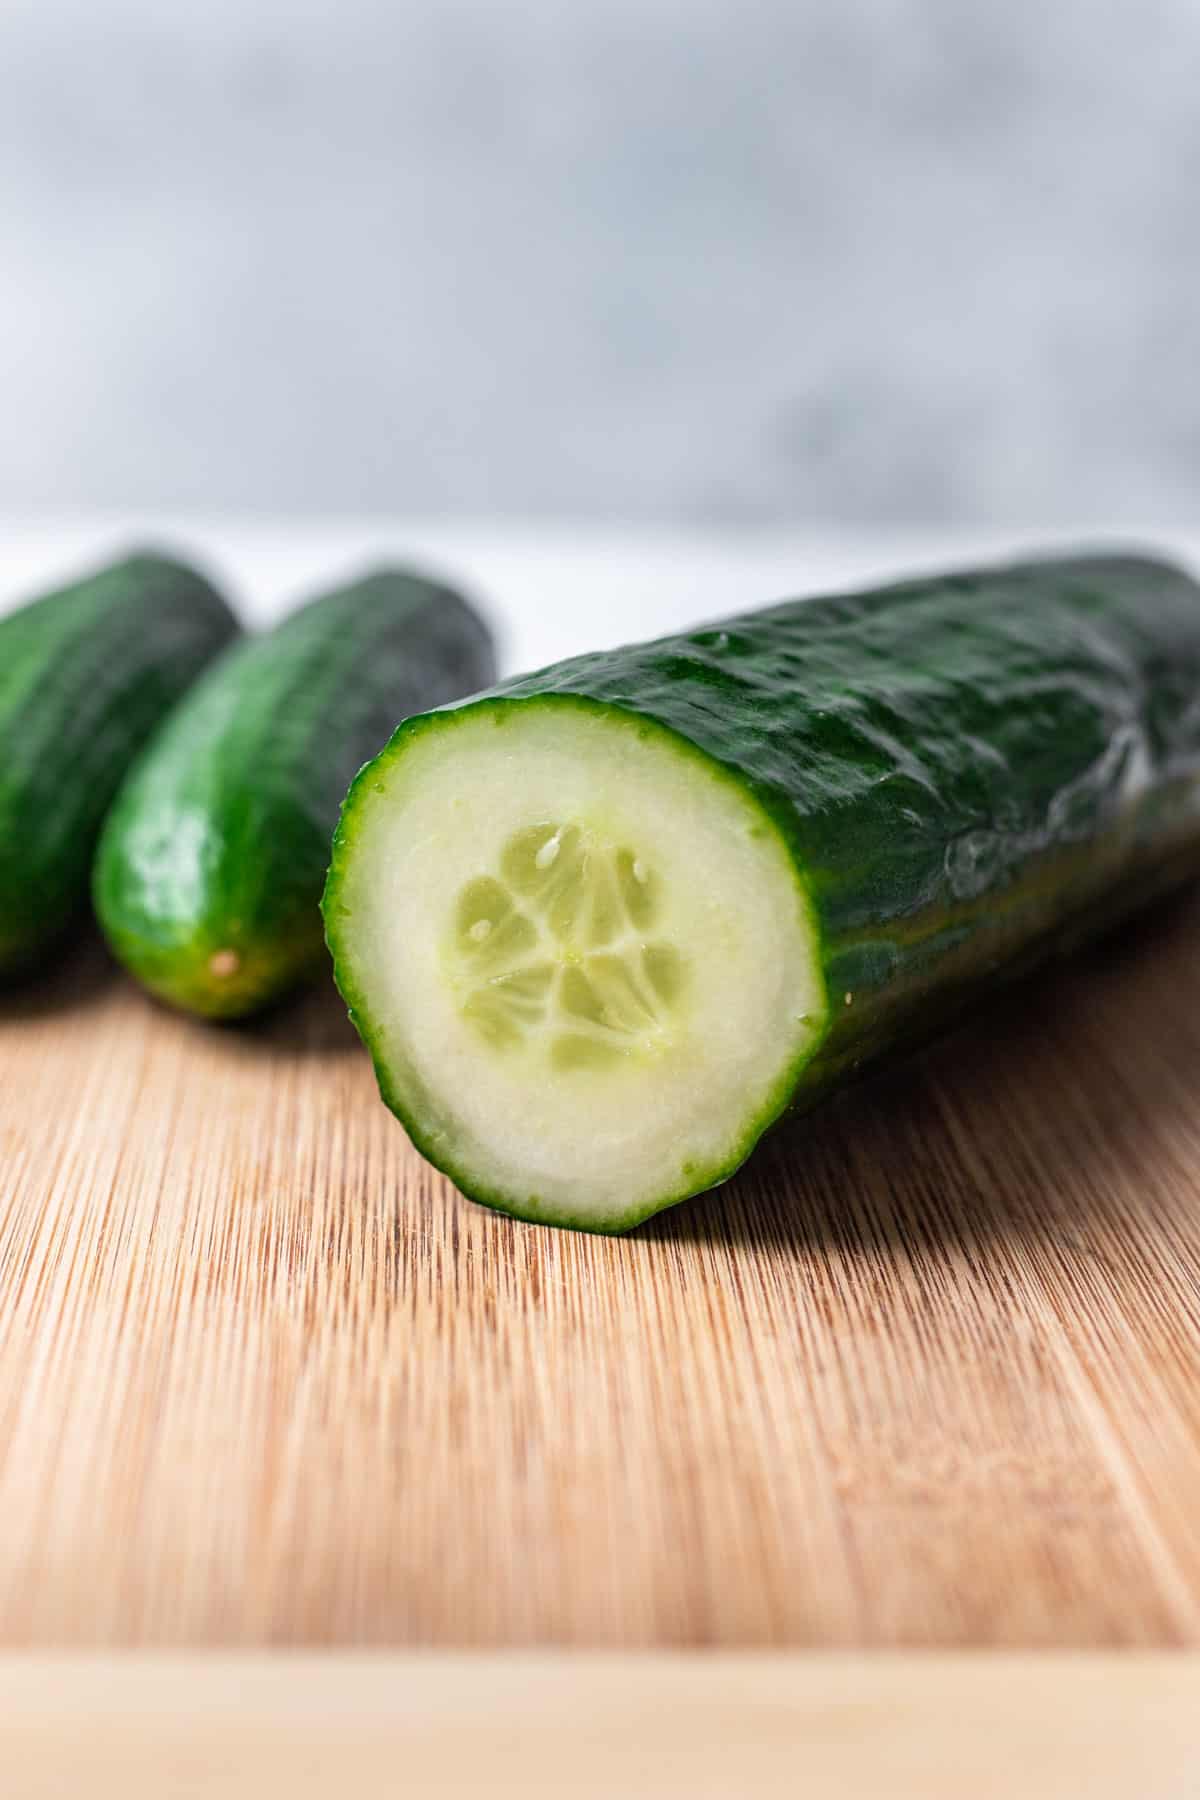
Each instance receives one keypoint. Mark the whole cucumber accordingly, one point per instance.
(601, 927)
(209, 873)
(86, 675)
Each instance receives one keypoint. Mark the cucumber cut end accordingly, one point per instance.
(579, 951)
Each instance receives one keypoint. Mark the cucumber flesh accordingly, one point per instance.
(590, 961)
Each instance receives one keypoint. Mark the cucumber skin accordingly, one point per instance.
(220, 837)
(971, 772)
(87, 672)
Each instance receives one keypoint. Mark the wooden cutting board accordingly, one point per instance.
(661, 1725)
(927, 1373)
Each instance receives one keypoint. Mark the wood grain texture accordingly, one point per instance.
(926, 1374)
(678, 1727)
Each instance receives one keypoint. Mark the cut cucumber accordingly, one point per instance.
(208, 878)
(86, 674)
(601, 927)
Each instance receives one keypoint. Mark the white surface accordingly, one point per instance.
(548, 592)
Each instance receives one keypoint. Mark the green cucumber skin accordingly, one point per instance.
(86, 675)
(219, 839)
(970, 772)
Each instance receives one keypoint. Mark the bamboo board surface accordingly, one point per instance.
(675, 1727)
(926, 1374)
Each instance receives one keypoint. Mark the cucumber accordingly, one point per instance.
(86, 674)
(603, 926)
(210, 868)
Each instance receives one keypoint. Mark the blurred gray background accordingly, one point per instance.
(681, 260)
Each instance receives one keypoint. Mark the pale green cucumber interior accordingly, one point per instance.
(580, 952)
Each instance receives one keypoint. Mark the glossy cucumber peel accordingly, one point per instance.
(601, 927)
(86, 675)
(209, 874)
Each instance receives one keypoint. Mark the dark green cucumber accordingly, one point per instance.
(603, 926)
(86, 675)
(208, 878)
